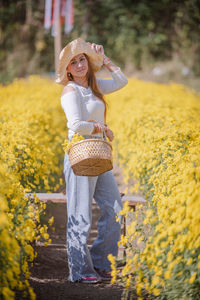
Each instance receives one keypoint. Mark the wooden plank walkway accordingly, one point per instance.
(58, 210)
(61, 198)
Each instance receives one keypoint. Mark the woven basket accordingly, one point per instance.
(91, 157)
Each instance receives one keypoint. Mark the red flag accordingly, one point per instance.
(62, 12)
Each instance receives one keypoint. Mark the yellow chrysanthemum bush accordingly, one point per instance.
(68, 144)
(157, 142)
(32, 129)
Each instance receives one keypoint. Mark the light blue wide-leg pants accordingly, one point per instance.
(80, 190)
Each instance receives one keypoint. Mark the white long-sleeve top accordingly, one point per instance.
(81, 104)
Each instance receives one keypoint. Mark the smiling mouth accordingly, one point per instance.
(81, 70)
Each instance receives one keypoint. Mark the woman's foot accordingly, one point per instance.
(92, 280)
(104, 274)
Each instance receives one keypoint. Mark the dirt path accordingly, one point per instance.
(49, 279)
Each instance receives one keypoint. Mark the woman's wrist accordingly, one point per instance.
(109, 64)
(106, 60)
(99, 128)
(94, 129)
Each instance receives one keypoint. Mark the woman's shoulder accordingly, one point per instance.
(68, 88)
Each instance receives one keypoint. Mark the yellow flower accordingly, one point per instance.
(192, 278)
(128, 281)
(31, 293)
(189, 262)
(7, 293)
(31, 214)
(167, 275)
(156, 291)
(67, 145)
(51, 221)
(46, 236)
(155, 280)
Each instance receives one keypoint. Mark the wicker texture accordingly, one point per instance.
(91, 157)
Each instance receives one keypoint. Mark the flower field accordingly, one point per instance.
(157, 129)
(157, 143)
(32, 128)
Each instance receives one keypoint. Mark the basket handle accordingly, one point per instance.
(104, 135)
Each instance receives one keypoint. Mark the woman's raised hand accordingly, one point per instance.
(98, 48)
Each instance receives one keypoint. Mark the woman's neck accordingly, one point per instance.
(81, 81)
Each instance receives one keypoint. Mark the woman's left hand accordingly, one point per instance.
(98, 48)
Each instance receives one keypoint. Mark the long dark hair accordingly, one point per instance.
(93, 85)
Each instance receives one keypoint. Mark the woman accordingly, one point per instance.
(85, 108)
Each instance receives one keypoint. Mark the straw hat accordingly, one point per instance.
(72, 49)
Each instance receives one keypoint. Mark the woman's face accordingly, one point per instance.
(78, 66)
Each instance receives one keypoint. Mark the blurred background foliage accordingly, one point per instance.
(136, 34)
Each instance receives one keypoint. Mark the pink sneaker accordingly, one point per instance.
(90, 280)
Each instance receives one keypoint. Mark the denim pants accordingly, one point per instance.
(80, 190)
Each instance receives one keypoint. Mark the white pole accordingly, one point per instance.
(57, 35)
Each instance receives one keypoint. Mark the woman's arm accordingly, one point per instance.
(109, 64)
(118, 80)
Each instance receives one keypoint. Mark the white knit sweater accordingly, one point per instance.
(82, 105)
